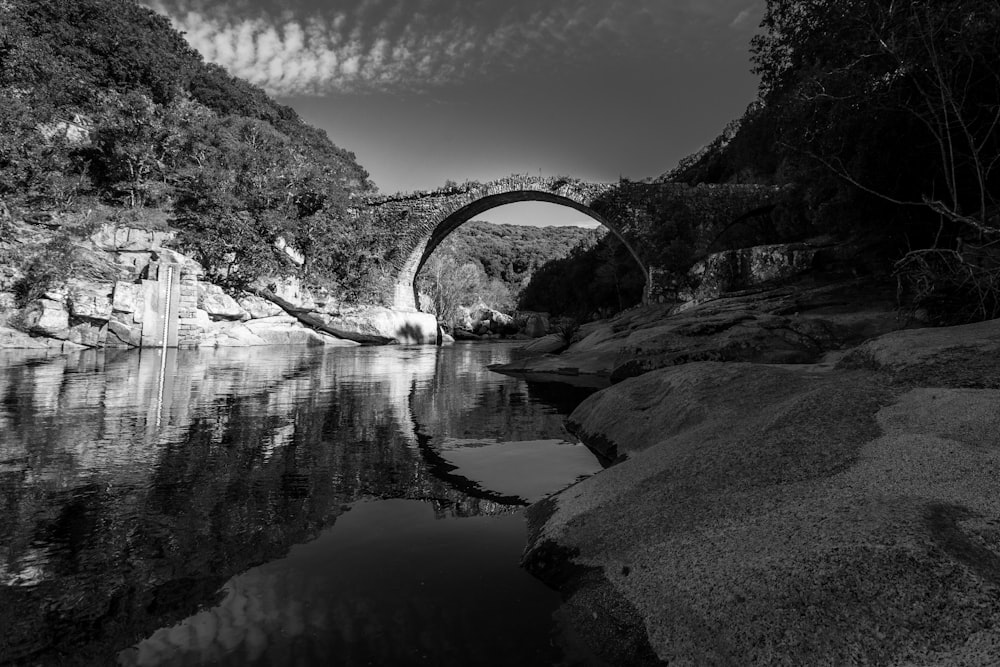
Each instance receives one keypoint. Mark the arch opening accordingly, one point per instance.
(475, 210)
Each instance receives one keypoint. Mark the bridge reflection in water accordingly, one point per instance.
(131, 497)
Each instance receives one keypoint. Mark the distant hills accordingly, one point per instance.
(512, 253)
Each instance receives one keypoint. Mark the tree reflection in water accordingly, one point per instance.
(130, 498)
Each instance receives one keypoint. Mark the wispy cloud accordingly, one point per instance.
(421, 44)
(748, 16)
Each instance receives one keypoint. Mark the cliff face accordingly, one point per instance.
(764, 514)
(125, 289)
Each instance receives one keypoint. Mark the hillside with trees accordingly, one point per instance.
(109, 116)
(883, 118)
(597, 279)
(886, 117)
(488, 264)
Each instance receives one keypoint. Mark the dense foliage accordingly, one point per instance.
(484, 264)
(597, 279)
(887, 115)
(512, 253)
(105, 104)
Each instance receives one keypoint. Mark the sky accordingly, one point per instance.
(424, 91)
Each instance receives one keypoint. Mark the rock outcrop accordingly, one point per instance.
(120, 312)
(792, 324)
(790, 514)
(366, 325)
(744, 268)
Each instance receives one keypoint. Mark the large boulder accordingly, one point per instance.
(18, 340)
(739, 269)
(763, 514)
(123, 334)
(218, 304)
(258, 307)
(549, 344)
(935, 356)
(90, 300)
(230, 334)
(47, 317)
(488, 320)
(89, 333)
(377, 325)
(286, 330)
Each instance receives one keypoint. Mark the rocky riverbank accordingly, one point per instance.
(115, 293)
(799, 480)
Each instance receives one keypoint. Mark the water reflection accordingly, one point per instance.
(387, 585)
(131, 494)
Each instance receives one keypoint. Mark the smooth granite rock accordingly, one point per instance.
(967, 355)
(792, 324)
(47, 317)
(286, 330)
(18, 340)
(258, 307)
(218, 304)
(549, 344)
(90, 300)
(791, 515)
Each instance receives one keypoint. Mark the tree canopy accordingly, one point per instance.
(105, 102)
(885, 114)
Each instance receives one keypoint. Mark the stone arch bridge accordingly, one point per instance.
(638, 213)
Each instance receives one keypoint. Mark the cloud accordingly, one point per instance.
(740, 19)
(289, 49)
(748, 17)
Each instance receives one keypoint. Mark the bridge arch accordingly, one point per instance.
(452, 221)
(425, 219)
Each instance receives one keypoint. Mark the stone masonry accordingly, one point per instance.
(420, 221)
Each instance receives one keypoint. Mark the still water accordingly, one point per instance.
(276, 506)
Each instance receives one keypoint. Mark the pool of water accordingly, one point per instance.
(276, 506)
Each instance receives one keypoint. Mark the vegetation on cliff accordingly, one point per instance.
(484, 264)
(887, 117)
(109, 114)
(566, 271)
(598, 278)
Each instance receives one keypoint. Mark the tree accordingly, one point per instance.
(875, 85)
(900, 102)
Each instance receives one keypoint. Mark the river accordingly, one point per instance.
(277, 506)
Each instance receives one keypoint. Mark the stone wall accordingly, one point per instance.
(187, 309)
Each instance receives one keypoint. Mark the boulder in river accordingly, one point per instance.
(376, 325)
(218, 304)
